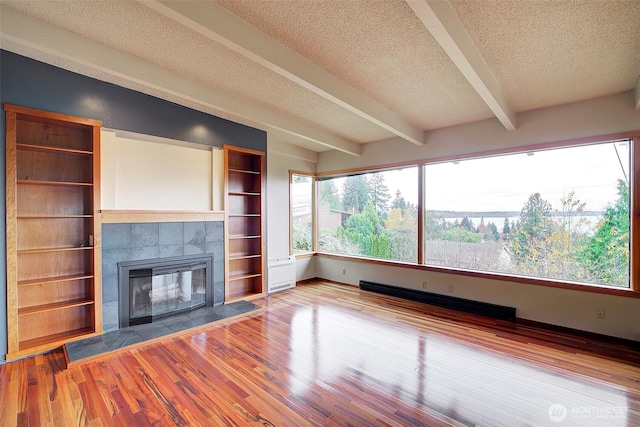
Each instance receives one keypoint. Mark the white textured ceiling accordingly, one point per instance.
(335, 74)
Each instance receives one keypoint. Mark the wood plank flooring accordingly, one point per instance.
(328, 354)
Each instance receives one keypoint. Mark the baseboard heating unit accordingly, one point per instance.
(469, 306)
(281, 273)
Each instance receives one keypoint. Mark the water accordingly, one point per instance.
(589, 221)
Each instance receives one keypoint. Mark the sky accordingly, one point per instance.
(506, 182)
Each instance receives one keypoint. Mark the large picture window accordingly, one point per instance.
(372, 215)
(559, 214)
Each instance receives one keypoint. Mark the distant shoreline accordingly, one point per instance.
(493, 214)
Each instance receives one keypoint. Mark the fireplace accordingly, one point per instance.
(154, 289)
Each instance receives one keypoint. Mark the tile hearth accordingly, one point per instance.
(125, 337)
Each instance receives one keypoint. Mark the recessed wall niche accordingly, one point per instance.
(141, 172)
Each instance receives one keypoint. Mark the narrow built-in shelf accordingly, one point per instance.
(244, 228)
(25, 311)
(58, 183)
(244, 296)
(243, 256)
(252, 172)
(243, 193)
(36, 344)
(243, 276)
(44, 250)
(242, 236)
(58, 279)
(53, 216)
(42, 148)
(53, 193)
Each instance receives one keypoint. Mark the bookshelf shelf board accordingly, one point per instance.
(53, 306)
(58, 279)
(45, 149)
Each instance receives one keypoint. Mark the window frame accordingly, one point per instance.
(634, 212)
(314, 213)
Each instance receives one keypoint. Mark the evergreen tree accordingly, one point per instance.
(379, 194)
(606, 256)
(364, 229)
(380, 247)
(467, 224)
(355, 193)
(328, 194)
(492, 232)
(506, 229)
(433, 226)
(530, 244)
(399, 202)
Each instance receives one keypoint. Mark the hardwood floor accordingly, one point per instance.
(327, 354)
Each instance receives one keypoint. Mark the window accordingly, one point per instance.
(552, 214)
(560, 214)
(301, 212)
(371, 215)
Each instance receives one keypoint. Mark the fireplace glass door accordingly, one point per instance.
(162, 291)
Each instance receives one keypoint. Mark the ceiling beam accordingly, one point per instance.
(19, 32)
(221, 26)
(292, 151)
(442, 22)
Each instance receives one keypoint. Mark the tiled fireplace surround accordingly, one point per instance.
(152, 240)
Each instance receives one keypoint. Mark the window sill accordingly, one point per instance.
(624, 292)
(304, 254)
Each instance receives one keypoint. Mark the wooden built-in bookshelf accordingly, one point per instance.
(244, 223)
(53, 229)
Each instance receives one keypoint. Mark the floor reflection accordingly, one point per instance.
(470, 384)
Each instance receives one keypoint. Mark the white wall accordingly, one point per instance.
(140, 172)
(600, 116)
(569, 308)
(278, 165)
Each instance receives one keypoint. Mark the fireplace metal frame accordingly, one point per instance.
(125, 267)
